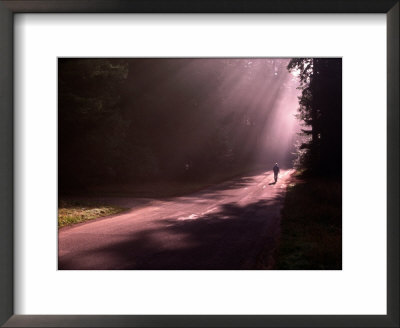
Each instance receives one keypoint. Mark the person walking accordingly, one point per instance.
(276, 171)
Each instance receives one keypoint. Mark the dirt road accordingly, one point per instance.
(227, 226)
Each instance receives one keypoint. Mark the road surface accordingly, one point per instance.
(233, 225)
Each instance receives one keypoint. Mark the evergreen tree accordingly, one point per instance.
(321, 112)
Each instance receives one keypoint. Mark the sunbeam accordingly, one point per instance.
(169, 118)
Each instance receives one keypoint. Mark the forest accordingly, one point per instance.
(179, 153)
(320, 113)
(136, 120)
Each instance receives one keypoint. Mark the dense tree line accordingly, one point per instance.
(321, 113)
(91, 129)
(133, 120)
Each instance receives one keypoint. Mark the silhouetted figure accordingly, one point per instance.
(276, 171)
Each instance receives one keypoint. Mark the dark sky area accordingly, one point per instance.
(132, 120)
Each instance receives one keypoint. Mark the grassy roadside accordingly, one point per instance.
(73, 211)
(311, 226)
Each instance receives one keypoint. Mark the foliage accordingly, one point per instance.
(72, 212)
(320, 110)
(142, 120)
(311, 226)
(91, 127)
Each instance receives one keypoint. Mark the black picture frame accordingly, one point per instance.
(10, 7)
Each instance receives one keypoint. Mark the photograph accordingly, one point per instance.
(199, 163)
(221, 164)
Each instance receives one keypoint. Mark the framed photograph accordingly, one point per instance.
(189, 164)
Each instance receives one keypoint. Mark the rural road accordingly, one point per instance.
(232, 225)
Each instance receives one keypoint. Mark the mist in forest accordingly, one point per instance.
(134, 120)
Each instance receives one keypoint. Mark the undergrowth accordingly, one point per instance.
(311, 226)
(72, 212)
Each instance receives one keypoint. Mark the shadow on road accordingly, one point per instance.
(212, 192)
(230, 238)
